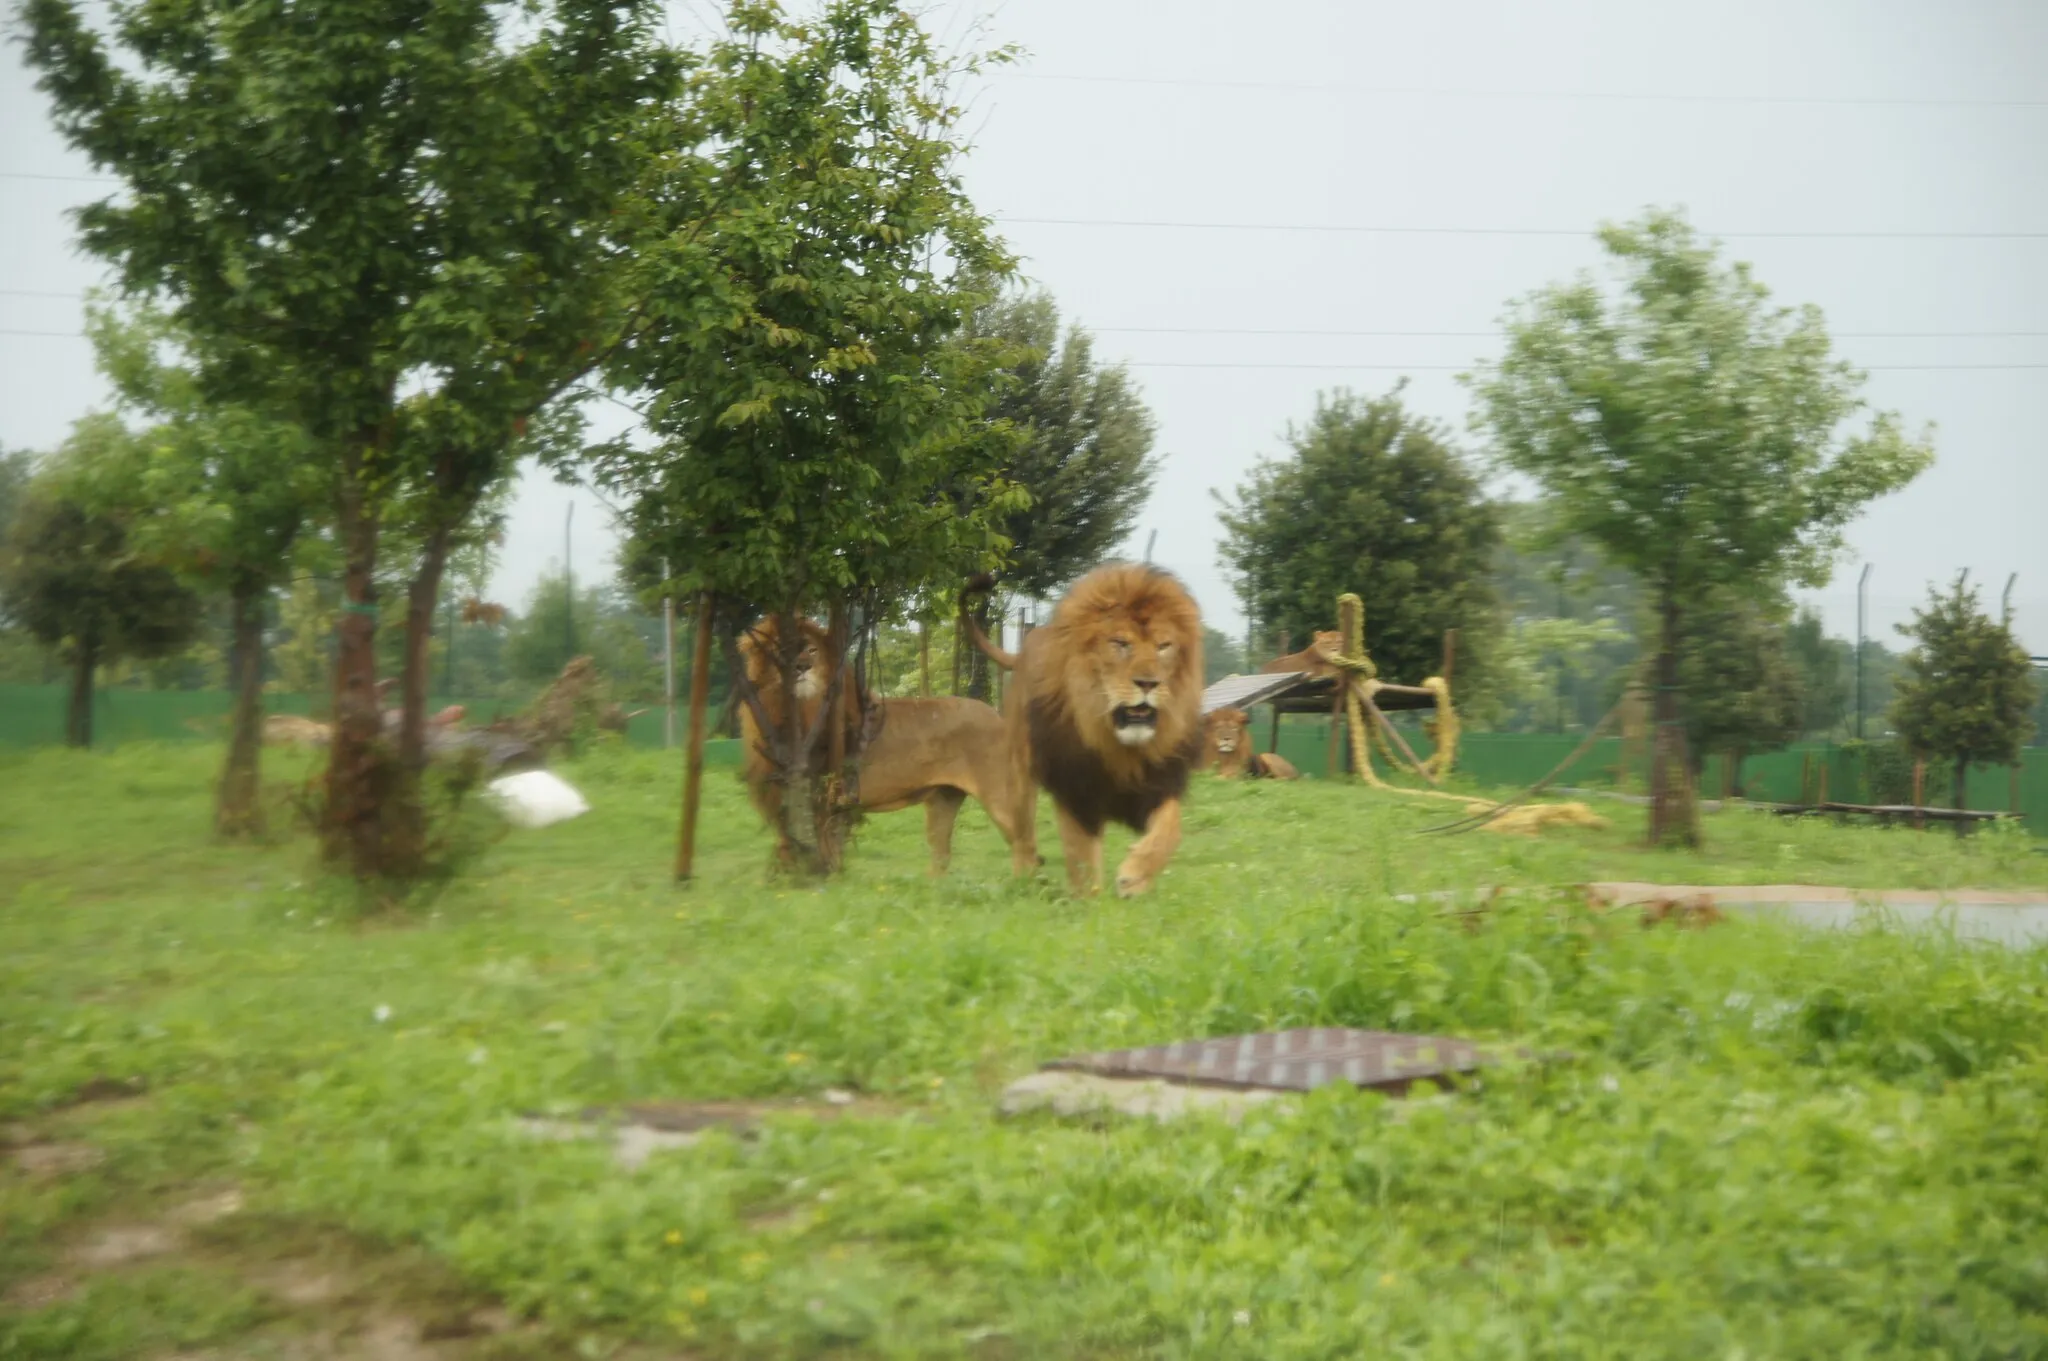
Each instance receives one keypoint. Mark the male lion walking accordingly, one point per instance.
(1105, 712)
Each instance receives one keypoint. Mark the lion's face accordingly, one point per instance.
(1133, 671)
(1229, 734)
(761, 646)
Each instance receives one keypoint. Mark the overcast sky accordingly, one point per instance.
(1188, 181)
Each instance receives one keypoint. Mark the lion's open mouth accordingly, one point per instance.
(1134, 723)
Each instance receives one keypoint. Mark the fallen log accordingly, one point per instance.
(1893, 810)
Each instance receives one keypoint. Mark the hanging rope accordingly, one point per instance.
(1480, 819)
(1444, 731)
(1371, 729)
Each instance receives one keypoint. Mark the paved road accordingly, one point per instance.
(2008, 916)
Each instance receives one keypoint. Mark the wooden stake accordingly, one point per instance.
(693, 758)
(1919, 796)
(924, 659)
(1450, 653)
(1400, 742)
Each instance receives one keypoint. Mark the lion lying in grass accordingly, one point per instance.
(1228, 749)
(1104, 710)
(938, 752)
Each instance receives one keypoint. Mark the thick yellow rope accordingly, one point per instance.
(1361, 680)
(1444, 731)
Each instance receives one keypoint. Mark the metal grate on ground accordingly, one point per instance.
(1297, 1060)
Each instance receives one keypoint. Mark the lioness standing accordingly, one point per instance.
(1105, 712)
(938, 752)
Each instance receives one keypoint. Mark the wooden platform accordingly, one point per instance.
(1297, 692)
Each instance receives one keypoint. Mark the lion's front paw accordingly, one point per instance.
(1130, 883)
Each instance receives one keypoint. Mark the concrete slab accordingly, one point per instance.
(2011, 917)
(632, 1145)
(1072, 1094)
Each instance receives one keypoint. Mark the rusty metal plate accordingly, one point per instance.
(1296, 1060)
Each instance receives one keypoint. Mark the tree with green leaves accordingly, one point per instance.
(1373, 499)
(1744, 695)
(1542, 659)
(71, 577)
(1083, 451)
(1222, 656)
(219, 492)
(1695, 433)
(1826, 667)
(17, 467)
(813, 414)
(552, 630)
(1572, 643)
(1967, 686)
(402, 226)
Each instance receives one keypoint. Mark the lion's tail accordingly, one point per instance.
(982, 585)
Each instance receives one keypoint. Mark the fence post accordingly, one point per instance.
(693, 761)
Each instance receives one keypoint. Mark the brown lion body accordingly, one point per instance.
(1104, 711)
(1229, 752)
(937, 752)
(1310, 659)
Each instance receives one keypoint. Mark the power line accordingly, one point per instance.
(1459, 368)
(1361, 229)
(65, 179)
(37, 293)
(1391, 368)
(1562, 96)
(1481, 335)
(1277, 331)
(1377, 230)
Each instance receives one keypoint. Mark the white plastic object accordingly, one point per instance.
(537, 798)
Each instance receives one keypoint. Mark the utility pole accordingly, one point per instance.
(568, 582)
(2005, 600)
(1862, 595)
(1150, 539)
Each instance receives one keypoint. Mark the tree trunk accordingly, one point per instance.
(78, 714)
(977, 660)
(238, 808)
(422, 595)
(834, 791)
(1674, 815)
(406, 811)
(359, 765)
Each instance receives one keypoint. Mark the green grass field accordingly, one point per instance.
(1771, 1144)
